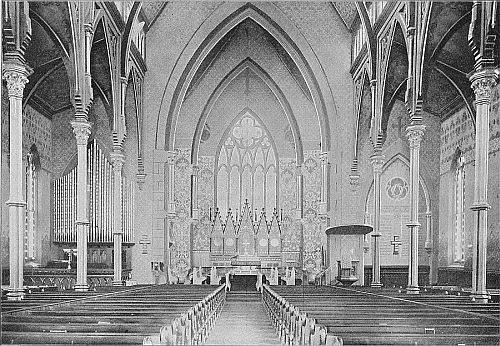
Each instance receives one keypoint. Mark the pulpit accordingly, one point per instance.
(345, 252)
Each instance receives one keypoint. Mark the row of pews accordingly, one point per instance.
(365, 316)
(193, 326)
(118, 316)
(293, 326)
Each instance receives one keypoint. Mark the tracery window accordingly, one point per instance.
(459, 212)
(246, 167)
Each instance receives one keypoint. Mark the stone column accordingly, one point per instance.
(300, 192)
(194, 192)
(323, 206)
(170, 206)
(428, 243)
(483, 82)
(377, 161)
(16, 77)
(81, 128)
(415, 134)
(117, 160)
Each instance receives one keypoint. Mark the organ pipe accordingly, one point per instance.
(101, 214)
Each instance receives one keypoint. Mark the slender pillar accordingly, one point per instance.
(81, 128)
(300, 192)
(117, 160)
(194, 192)
(170, 206)
(16, 77)
(377, 161)
(415, 134)
(323, 206)
(428, 243)
(483, 82)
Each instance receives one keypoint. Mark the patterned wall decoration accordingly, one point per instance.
(458, 132)
(201, 240)
(181, 239)
(288, 200)
(312, 223)
(37, 129)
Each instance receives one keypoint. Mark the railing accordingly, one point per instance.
(292, 326)
(192, 327)
(66, 279)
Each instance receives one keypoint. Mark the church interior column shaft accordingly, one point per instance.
(16, 77)
(300, 186)
(377, 161)
(170, 205)
(117, 159)
(194, 192)
(415, 133)
(81, 128)
(483, 82)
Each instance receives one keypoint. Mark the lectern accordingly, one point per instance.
(345, 252)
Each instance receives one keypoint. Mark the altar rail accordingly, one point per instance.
(66, 279)
(193, 326)
(292, 326)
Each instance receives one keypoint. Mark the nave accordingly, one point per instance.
(205, 314)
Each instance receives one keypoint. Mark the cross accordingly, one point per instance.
(144, 242)
(396, 243)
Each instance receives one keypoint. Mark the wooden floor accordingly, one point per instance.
(243, 321)
(387, 317)
(125, 317)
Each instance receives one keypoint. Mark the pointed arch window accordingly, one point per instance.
(247, 166)
(459, 210)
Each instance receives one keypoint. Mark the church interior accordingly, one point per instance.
(290, 172)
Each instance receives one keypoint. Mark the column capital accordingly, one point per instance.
(117, 159)
(298, 170)
(16, 77)
(324, 158)
(377, 160)
(81, 129)
(483, 82)
(354, 181)
(195, 169)
(415, 133)
(171, 157)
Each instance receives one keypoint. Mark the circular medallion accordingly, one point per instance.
(263, 242)
(397, 188)
(217, 242)
(275, 242)
(229, 241)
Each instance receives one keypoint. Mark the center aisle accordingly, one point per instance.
(243, 321)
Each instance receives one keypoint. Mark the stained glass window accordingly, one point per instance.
(246, 167)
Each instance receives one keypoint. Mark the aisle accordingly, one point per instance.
(243, 321)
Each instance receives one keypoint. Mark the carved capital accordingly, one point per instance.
(415, 133)
(16, 79)
(195, 169)
(170, 157)
(483, 83)
(117, 160)
(298, 170)
(377, 160)
(81, 129)
(354, 181)
(324, 158)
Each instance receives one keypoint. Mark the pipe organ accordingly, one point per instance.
(101, 212)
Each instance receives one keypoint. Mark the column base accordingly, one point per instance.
(81, 288)
(480, 297)
(376, 285)
(15, 294)
(117, 283)
(412, 290)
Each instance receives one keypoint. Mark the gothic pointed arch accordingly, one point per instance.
(263, 75)
(214, 28)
